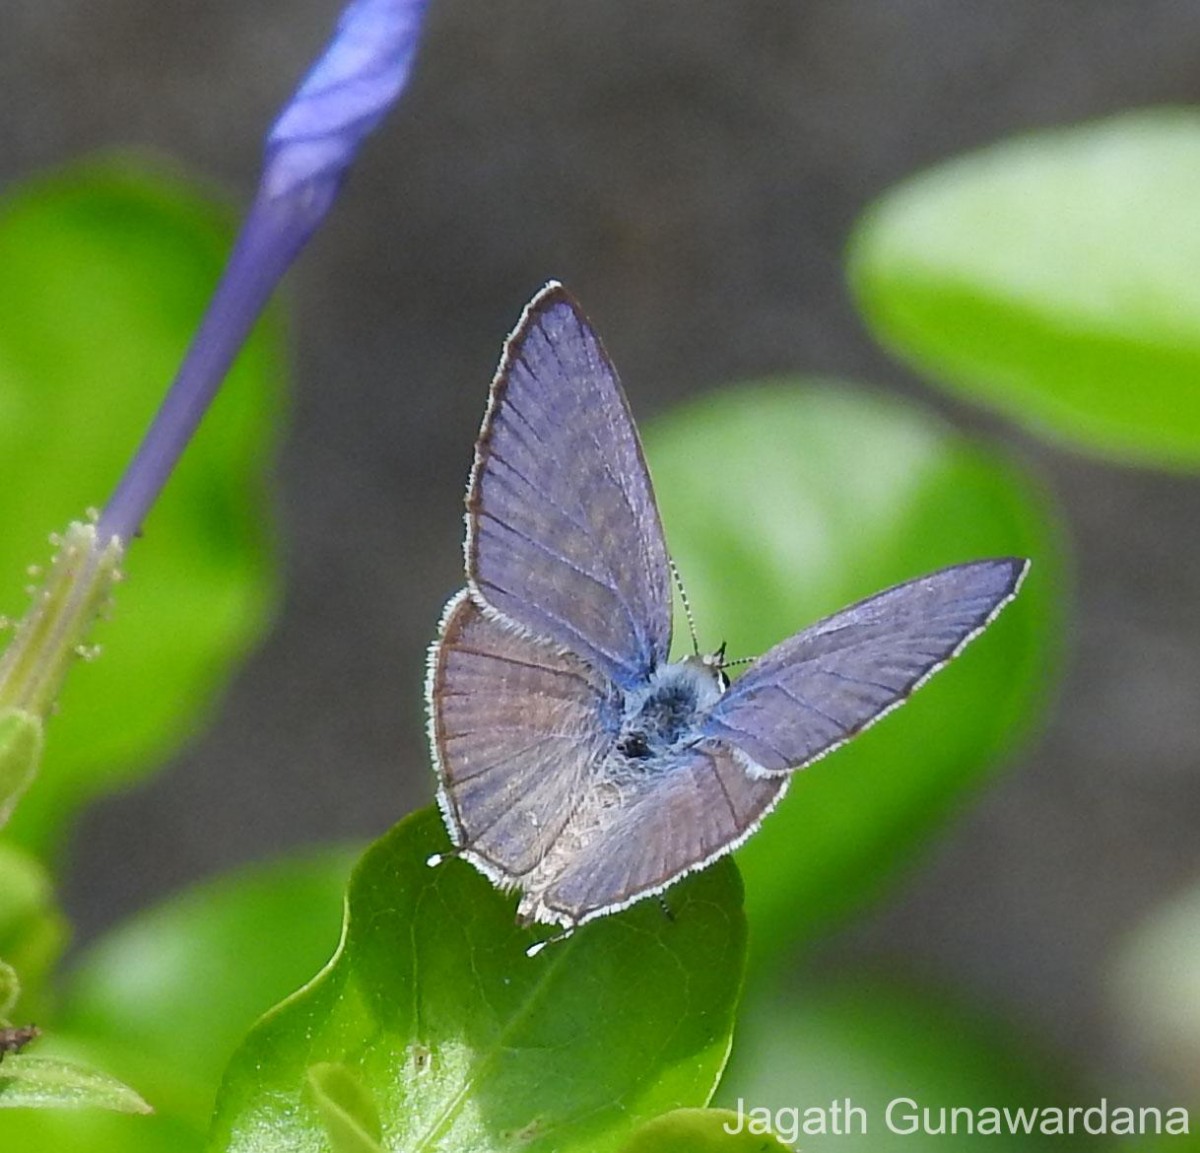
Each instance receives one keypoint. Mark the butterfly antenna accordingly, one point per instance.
(687, 606)
(435, 859)
(729, 664)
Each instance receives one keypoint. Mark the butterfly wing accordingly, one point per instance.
(671, 823)
(515, 725)
(563, 532)
(815, 691)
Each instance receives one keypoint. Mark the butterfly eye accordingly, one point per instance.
(715, 662)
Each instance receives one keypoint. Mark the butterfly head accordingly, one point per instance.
(711, 663)
(715, 663)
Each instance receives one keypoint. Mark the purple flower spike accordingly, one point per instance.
(344, 97)
(308, 151)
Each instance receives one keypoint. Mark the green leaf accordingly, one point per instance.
(163, 1000)
(44, 1083)
(169, 995)
(702, 1131)
(1052, 277)
(346, 1109)
(33, 932)
(826, 1061)
(464, 1043)
(107, 270)
(784, 503)
(20, 753)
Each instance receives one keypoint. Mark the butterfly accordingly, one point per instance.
(576, 762)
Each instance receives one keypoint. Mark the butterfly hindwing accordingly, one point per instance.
(516, 726)
(664, 826)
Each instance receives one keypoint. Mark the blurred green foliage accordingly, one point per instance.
(1049, 277)
(1053, 277)
(107, 270)
(857, 1039)
(33, 931)
(20, 757)
(163, 1000)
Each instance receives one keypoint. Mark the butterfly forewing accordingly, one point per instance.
(564, 536)
(516, 725)
(814, 691)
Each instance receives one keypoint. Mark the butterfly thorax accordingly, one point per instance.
(662, 716)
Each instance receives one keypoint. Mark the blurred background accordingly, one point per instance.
(691, 172)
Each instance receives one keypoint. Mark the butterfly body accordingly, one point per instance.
(661, 718)
(575, 762)
(539, 784)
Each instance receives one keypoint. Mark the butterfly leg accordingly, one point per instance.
(538, 946)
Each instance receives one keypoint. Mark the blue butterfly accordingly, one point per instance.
(575, 761)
